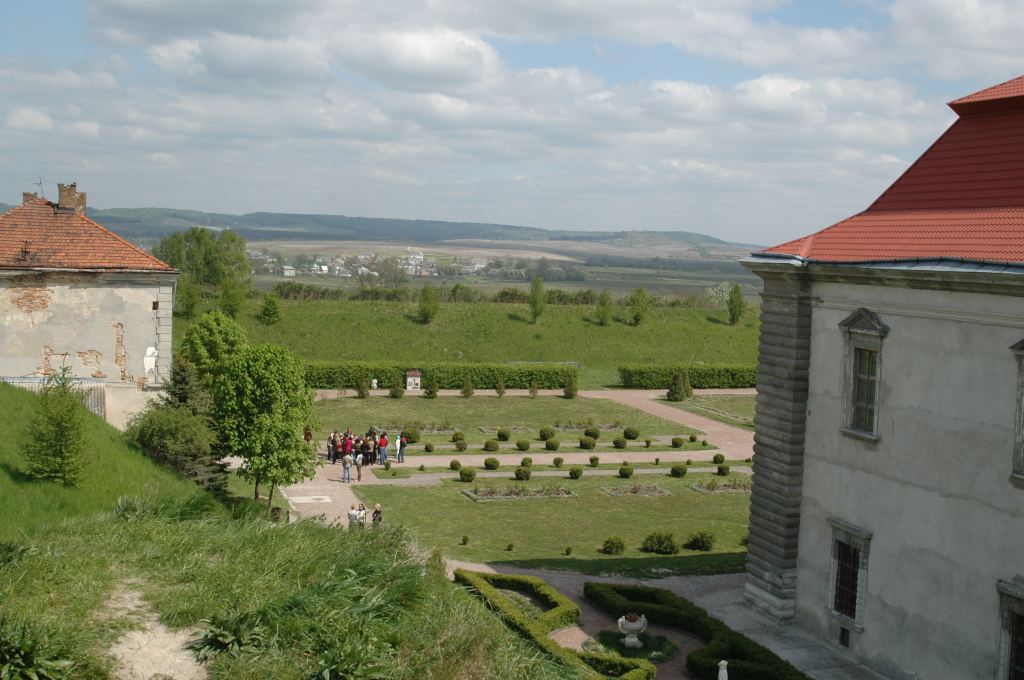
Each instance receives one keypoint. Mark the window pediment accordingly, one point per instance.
(865, 321)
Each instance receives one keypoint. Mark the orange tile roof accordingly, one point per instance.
(39, 235)
(963, 199)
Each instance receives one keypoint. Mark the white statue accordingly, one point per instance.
(149, 363)
(723, 674)
(373, 384)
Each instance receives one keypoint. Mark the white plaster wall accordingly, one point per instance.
(76, 316)
(934, 490)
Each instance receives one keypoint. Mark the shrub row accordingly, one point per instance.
(564, 612)
(348, 375)
(702, 376)
(747, 659)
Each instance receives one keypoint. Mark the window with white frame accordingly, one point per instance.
(862, 369)
(1011, 630)
(848, 583)
(1017, 474)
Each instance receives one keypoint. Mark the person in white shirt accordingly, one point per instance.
(353, 517)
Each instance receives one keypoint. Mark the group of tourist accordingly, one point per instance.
(357, 451)
(357, 516)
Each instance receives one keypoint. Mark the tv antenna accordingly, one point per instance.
(39, 183)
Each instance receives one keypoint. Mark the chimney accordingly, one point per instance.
(70, 198)
(27, 197)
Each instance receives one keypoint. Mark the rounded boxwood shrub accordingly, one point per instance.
(523, 444)
(648, 442)
(592, 432)
(626, 471)
(523, 473)
(693, 437)
(504, 434)
(723, 471)
(526, 462)
(467, 474)
(557, 462)
(547, 433)
(613, 545)
(703, 442)
(458, 436)
(552, 444)
(411, 434)
(491, 445)
(677, 442)
(619, 443)
(575, 472)
(510, 547)
(422, 468)
(631, 433)
(455, 465)
(702, 540)
(594, 461)
(718, 459)
(465, 540)
(491, 463)
(429, 447)
(461, 445)
(387, 465)
(568, 550)
(660, 543)
(678, 471)
(588, 443)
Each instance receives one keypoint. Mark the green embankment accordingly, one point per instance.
(494, 332)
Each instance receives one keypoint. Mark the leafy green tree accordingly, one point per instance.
(211, 341)
(56, 448)
(680, 388)
(538, 298)
(270, 312)
(736, 304)
(232, 297)
(603, 310)
(640, 304)
(186, 297)
(428, 304)
(182, 441)
(208, 257)
(262, 405)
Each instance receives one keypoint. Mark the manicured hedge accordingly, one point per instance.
(747, 659)
(564, 612)
(702, 376)
(344, 375)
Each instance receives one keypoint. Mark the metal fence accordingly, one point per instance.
(94, 391)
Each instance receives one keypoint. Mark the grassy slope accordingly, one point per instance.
(500, 332)
(541, 529)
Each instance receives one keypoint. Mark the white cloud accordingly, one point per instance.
(29, 120)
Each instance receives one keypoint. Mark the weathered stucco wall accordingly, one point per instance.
(99, 324)
(934, 489)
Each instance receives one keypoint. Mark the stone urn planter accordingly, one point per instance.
(631, 625)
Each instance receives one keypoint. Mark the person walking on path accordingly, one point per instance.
(359, 466)
(346, 464)
(402, 442)
(383, 444)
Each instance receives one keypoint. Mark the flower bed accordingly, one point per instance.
(517, 492)
(637, 490)
(716, 486)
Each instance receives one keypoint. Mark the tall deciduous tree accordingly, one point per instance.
(538, 298)
(262, 405)
(56, 449)
(603, 310)
(428, 304)
(186, 297)
(640, 304)
(736, 304)
(210, 341)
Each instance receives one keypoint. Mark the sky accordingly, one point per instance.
(756, 121)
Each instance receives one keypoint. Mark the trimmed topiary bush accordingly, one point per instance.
(677, 442)
(680, 388)
(588, 443)
(678, 471)
(626, 471)
(723, 471)
(594, 461)
(422, 468)
(523, 444)
(660, 543)
(491, 445)
(465, 540)
(526, 462)
(429, 447)
(631, 433)
(523, 473)
(552, 444)
(458, 436)
(647, 443)
(613, 545)
(547, 433)
(557, 462)
(619, 443)
(491, 463)
(510, 547)
(703, 442)
(455, 465)
(504, 434)
(703, 541)
(568, 550)
(718, 459)
(693, 438)
(461, 445)
(575, 472)
(592, 432)
(467, 474)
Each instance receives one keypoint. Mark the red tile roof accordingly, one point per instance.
(962, 199)
(38, 235)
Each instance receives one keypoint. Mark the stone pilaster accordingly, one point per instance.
(785, 352)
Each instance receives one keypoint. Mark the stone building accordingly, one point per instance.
(887, 513)
(74, 294)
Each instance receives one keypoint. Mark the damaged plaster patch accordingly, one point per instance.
(32, 299)
(120, 355)
(90, 358)
(47, 368)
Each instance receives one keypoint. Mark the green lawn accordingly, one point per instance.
(484, 332)
(469, 415)
(540, 529)
(730, 409)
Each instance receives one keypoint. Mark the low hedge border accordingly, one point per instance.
(564, 612)
(747, 659)
(702, 376)
(344, 375)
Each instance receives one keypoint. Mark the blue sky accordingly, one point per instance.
(752, 120)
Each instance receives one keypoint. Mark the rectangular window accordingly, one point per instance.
(847, 572)
(1016, 667)
(865, 388)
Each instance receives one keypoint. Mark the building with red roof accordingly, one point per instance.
(888, 497)
(72, 293)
